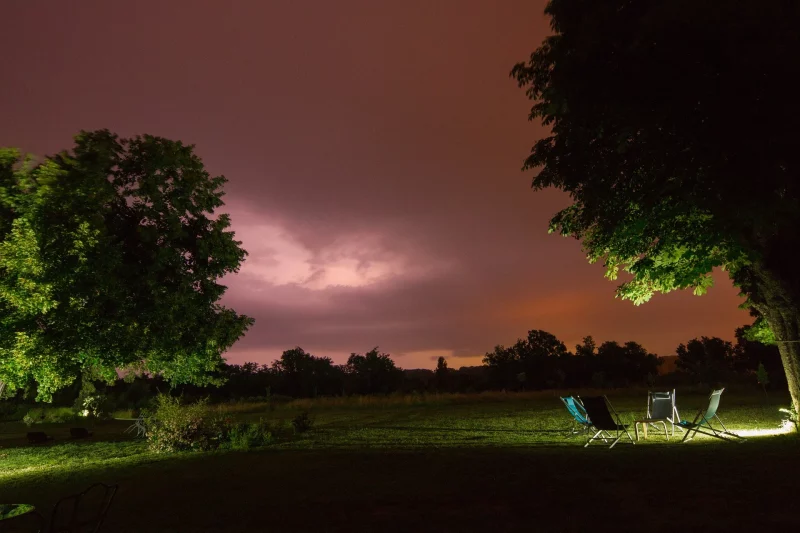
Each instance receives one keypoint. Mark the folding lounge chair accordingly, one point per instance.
(661, 409)
(84, 512)
(580, 421)
(702, 422)
(605, 419)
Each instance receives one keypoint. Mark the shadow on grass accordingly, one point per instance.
(443, 490)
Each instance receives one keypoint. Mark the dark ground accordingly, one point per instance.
(710, 487)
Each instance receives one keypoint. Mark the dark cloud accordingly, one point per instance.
(373, 151)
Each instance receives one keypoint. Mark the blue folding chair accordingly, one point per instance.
(580, 420)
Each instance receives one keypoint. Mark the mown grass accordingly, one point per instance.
(498, 462)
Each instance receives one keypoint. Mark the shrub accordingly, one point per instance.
(50, 415)
(174, 427)
(11, 411)
(302, 422)
(248, 435)
(93, 403)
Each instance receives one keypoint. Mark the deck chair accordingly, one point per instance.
(702, 422)
(84, 512)
(580, 420)
(605, 419)
(661, 409)
(139, 427)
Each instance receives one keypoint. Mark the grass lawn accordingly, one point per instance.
(453, 463)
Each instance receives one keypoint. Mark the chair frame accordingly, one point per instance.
(577, 426)
(75, 500)
(605, 435)
(139, 426)
(648, 420)
(702, 423)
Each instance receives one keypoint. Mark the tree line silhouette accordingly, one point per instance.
(538, 361)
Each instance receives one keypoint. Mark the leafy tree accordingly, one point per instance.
(762, 376)
(749, 354)
(247, 380)
(441, 373)
(587, 349)
(579, 368)
(647, 102)
(707, 360)
(110, 258)
(373, 372)
(536, 356)
(626, 364)
(306, 375)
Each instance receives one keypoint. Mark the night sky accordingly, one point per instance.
(373, 151)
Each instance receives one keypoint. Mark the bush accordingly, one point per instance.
(302, 422)
(11, 411)
(49, 415)
(96, 406)
(174, 427)
(248, 435)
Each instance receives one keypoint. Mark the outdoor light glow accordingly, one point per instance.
(786, 427)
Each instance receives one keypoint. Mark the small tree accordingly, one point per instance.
(762, 377)
(441, 373)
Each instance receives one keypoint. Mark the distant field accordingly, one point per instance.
(499, 462)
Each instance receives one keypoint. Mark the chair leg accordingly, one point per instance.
(636, 429)
(588, 442)
(629, 436)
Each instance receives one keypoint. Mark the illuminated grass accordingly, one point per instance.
(445, 463)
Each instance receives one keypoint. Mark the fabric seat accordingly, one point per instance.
(605, 419)
(702, 422)
(661, 409)
(580, 420)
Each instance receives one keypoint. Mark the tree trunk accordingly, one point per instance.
(783, 317)
(789, 346)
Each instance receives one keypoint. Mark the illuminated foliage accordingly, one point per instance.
(110, 257)
(673, 129)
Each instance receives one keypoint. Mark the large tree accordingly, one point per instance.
(706, 360)
(110, 259)
(674, 130)
(373, 373)
(534, 361)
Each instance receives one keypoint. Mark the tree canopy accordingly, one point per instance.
(673, 129)
(110, 259)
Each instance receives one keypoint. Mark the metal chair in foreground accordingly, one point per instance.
(702, 422)
(84, 512)
(661, 409)
(579, 417)
(605, 419)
